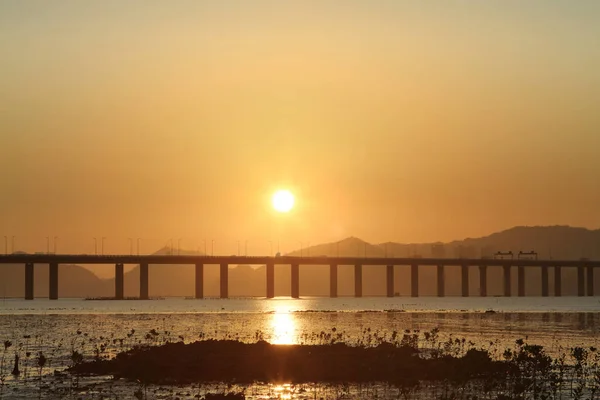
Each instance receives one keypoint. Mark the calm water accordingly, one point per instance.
(58, 327)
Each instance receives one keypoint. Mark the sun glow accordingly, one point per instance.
(283, 201)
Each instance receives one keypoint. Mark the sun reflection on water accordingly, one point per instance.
(283, 391)
(283, 324)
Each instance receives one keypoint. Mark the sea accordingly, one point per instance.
(102, 328)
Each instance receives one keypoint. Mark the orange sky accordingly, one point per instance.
(391, 121)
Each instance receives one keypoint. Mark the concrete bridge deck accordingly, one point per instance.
(585, 271)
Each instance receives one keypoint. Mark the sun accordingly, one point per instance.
(283, 201)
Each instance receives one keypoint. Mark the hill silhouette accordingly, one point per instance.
(555, 242)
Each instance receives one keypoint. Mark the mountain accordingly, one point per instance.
(557, 242)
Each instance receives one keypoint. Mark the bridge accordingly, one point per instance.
(585, 271)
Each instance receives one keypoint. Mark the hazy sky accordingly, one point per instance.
(390, 120)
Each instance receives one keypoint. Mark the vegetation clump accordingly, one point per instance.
(229, 360)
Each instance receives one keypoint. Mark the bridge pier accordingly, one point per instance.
(224, 281)
(119, 279)
(389, 280)
(414, 281)
(545, 288)
(440, 281)
(590, 280)
(333, 280)
(53, 281)
(521, 281)
(507, 283)
(557, 281)
(464, 272)
(199, 281)
(483, 280)
(295, 281)
(29, 281)
(580, 281)
(270, 280)
(144, 275)
(358, 281)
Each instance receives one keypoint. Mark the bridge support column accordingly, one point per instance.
(29, 281)
(580, 282)
(590, 280)
(414, 280)
(119, 279)
(557, 281)
(483, 280)
(144, 274)
(295, 281)
(507, 283)
(545, 288)
(389, 279)
(333, 280)
(224, 281)
(199, 281)
(358, 281)
(521, 281)
(53, 280)
(440, 281)
(464, 272)
(270, 281)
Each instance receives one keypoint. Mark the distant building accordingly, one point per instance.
(488, 251)
(462, 251)
(438, 250)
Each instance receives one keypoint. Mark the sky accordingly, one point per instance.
(389, 120)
